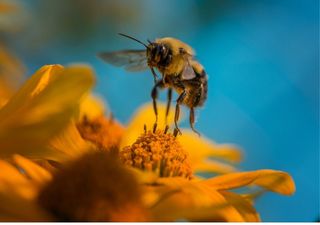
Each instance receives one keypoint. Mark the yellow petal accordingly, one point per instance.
(212, 166)
(68, 144)
(276, 181)
(200, 148)
(32, 170)
(183, 199)
(243, 206)
(91, 107)
(145, 116)
(42, 108)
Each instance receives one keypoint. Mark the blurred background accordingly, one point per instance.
(261, 56)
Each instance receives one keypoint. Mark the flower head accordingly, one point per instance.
(159, 152)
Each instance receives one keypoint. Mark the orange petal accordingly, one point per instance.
(12, 181)
(276, 181)
(32, 170)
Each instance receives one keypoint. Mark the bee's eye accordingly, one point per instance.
(159, 50)
(163, 49)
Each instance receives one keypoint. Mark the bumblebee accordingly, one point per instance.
(179, 70)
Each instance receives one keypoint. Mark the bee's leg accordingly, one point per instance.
(191, 120)
(155, 76)
(154, 96)
(168, 103)
(177, 112)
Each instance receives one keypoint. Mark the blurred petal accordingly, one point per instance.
(91, 107)
(41, 108)
(17, 193)
(212, 166)
(145, 116)
(243, 206)
(68, 144)
(189, 200)
(276, 181)
(35, 172)
(200, 148)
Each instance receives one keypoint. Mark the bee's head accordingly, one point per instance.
(156, 53)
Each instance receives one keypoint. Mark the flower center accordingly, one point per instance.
(95, 187)
(159, 152)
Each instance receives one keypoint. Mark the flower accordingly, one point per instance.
(54, 121)
(204, 154)
(173, 195)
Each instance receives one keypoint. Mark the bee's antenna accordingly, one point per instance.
(132, 38)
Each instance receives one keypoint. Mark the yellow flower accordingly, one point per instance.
(52, 118)
(96, 187)
(205, 155)
(171, 193)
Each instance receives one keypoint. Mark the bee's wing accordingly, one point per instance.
(188, 71)
(131, 60)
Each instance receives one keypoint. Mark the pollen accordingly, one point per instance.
(104, 132)
(160, 152)
(96, 187)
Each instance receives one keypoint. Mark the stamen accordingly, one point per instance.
(160, 152)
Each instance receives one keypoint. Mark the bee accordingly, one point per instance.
(179, 70)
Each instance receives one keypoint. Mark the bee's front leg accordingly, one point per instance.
(155, 76)
(168, 103)
(154, 96)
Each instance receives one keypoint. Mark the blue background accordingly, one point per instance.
(261, 56)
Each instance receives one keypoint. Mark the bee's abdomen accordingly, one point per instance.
(197, 90)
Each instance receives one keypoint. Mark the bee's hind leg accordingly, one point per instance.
(177, 112)
(192, 120)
